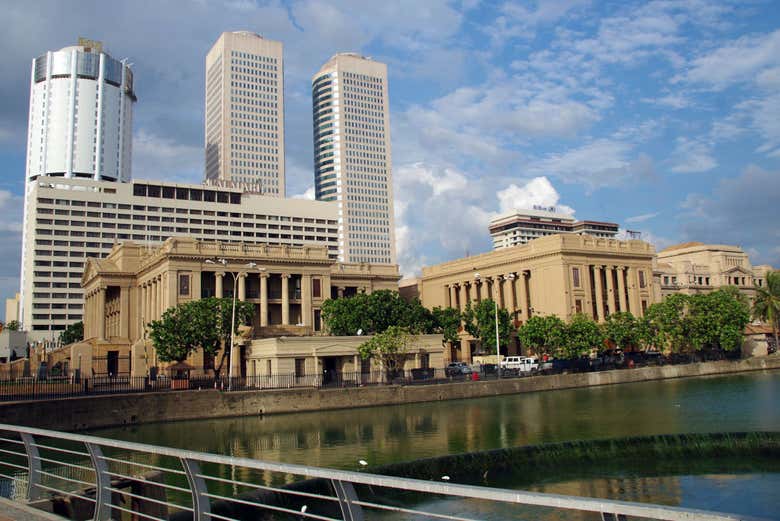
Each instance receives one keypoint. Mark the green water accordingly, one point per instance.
(379, 435)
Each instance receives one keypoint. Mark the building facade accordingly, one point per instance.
(520, 226)
(68, 220)
(244, 129)
(81, 114)
(352, 155)
(134, 285)
(557, 275)
(695, 267)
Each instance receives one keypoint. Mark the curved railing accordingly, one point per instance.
(111, 477)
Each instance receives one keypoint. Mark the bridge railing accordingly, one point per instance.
(89, 477)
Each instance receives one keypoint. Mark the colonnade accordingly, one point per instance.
(614, 289)
(511, 291)
(155, 297)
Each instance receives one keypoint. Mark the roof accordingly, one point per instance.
(682, 246)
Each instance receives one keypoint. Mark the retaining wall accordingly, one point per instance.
(111, 410)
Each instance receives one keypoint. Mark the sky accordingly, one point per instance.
(662, 116)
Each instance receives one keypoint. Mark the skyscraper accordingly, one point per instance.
(352, 163)
(245, 113)
(81, 114)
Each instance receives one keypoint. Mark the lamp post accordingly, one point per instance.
(235, 274)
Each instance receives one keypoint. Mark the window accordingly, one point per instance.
(300, 367)
(575, 272)
(184, 284)
(316, 288)
(642, 282)
(578, 306)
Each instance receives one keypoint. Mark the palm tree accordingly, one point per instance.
(766, 307)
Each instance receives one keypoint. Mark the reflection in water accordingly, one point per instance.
(382, 435)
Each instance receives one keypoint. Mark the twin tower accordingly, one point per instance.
(351, 125)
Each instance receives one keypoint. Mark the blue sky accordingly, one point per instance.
(663, 116)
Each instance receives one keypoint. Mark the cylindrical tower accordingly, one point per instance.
(81, 113)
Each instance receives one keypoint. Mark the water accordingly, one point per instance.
(338, 439)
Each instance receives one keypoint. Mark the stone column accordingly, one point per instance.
(599, 294)
(608, 270)
(148, 316)
(633, 292)
(219, 291)
(621, 273)
(340, 291)
(161, 296)
(509, 289)
(589, 289)
(306, 311)
(242, 287)
(525, 312)
(453, 295)
(263, 299)
(101, 307)
(495, 289)
(464, 296)
(447, 302)
(124, 312)
(285, 299)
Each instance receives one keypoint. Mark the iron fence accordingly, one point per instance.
(85, 477)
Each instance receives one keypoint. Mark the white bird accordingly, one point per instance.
(303, 509)
(445, 478)
(363, 462)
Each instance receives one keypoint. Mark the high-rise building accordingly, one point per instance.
(68, 220)
(81, 114)
(245, 113)
(352, 153)
(520, 226)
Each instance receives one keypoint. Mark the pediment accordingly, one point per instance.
(737, 269)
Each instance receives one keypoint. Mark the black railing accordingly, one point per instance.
(46, 388)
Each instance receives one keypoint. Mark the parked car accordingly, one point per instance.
(457, 369)
(515, 365)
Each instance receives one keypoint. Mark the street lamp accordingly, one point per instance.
(235, 274)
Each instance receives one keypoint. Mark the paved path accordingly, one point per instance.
(13, 511)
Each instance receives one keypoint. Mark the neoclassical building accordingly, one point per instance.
(135, 284)
(695, 267)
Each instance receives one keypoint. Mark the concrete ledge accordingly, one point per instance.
(90, 412)
(15, 511)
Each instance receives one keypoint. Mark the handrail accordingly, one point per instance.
(343, 482)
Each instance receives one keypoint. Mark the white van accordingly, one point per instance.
(519, 365)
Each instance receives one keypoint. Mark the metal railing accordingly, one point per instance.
(106, 479)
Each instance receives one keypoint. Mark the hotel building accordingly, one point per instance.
(245, 113)
(352, 155)
(68, 220)
(520, 226)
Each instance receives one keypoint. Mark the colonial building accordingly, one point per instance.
(695, 267)
(134, 285)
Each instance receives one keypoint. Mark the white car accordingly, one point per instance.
(519, 365)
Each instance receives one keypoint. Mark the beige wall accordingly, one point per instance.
(538, 278)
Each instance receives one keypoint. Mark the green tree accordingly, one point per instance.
(582, 335)
(543, 334)
(447, 323)
(624, 330)
(12, 325)
(374, 313)
(73, 333)
(668, 325)
(766, 305)
(389, 348)
(198, 324)
(480, 322)
(717, 320)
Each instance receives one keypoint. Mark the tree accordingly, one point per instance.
(542, 334)
(12, 325)
(766, 305)
(717, 320)
(73, 333)
(198, 324)
(624, 330)
(582, 335)
(389, 348)
(374, 313)
(668, 324)
(447, 323)
(480, 322)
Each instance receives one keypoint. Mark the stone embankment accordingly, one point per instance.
(112, 410)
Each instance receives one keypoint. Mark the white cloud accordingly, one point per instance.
(738, 61)
(674, 101)
(307, 194)
(156, 157)
(641, 218)
(537, 191)
(691, 156)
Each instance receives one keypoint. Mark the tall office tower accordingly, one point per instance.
(245, 113)
(81, 114)
(352, 155)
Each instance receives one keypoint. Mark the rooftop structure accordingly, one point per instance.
(520, 226)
